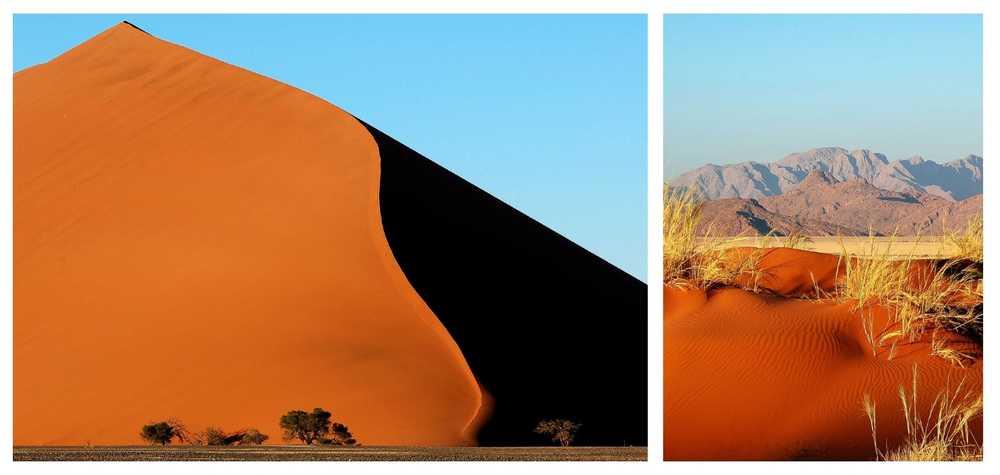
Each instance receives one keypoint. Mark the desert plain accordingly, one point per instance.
(273, 453)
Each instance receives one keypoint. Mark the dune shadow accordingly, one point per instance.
(549, 329)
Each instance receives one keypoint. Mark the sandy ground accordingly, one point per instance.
(928, 247)
(774, 376)
(196, 241)
(289, 453)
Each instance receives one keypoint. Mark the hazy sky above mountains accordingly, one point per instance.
(758, 87)
(545, 112)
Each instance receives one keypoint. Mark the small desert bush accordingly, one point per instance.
(161, 433)
(562, 431)
(164, 432)
(253, 437)
(944, 435)
(214, 436)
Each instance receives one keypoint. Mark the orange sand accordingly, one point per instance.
(759, 377)
(795, 273)
(195, 241)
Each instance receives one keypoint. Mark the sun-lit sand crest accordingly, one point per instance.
(781, 353)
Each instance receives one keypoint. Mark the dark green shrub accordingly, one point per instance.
(306, 426)
(340, 435)
(158, 433)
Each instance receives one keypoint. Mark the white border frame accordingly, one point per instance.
(655, 11)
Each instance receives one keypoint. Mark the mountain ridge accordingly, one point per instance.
(954, 180)
(822, 205)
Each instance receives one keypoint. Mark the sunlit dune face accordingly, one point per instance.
(195, 241)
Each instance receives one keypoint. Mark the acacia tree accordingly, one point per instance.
(562, 431)
(306, 426)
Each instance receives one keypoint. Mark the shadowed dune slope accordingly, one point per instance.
(762, 377)
(549, 329)
(195, 241)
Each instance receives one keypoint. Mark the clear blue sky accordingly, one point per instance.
(547, 113)
(758, 87)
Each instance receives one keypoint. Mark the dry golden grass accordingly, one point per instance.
(771, 240)
(940, 301)
(946, 301)
(943, 435)
(955, 356)
(681, 214)
(871, 276)
(969, 240)
(702, 261)
(797, 241)
(872, 414)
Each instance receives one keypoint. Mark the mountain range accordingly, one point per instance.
(955, 180)
(830, 191)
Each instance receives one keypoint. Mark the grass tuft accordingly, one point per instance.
(869, 408)
(873, 275)
(968, 241)
(795, 240)
(681, 215)
(702, 260)
(923, 297)
(944, 435)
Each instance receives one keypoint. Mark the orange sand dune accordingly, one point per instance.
(762, 377)
(193, 240)
(196, 241)
(797, 273)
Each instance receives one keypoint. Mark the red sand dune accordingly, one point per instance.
(790, 271)
(195, 241)
(763, 377)
(189, 242)
(796, 273)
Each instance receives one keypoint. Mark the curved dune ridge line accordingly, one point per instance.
(196, 241)
(753, 376)
(549, 329)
